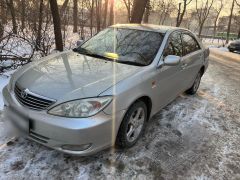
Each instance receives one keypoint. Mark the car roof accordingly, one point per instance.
(148, 27)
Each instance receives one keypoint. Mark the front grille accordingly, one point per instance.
(32, 100)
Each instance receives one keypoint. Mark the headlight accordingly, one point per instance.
(81, 108)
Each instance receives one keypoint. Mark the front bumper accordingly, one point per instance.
(57, 132)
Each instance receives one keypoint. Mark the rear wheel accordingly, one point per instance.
(195, 85)
(132, 125)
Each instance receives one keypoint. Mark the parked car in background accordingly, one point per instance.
(104, 92)
(234, 46)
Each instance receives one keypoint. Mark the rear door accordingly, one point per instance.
(192, 59)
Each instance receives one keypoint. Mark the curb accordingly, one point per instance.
(225, 55)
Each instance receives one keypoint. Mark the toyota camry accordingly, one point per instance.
(103, 92)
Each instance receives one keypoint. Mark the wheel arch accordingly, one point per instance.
(147, 100)
(202, 70)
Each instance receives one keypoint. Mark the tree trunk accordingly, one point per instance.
(75, 16)
(147, 12)
(98, 13)
(3, 14)
(105, 14)
(238, 33)
(230, 22)
(39, 30)
(181, 14)
(178, 14)
(57, 25)
(215, 25)
(64, 6)
(12, 11)
(200, 30)
(23, 14)
(1, 30)
(91, 20)
(138, 11)
(111, 18)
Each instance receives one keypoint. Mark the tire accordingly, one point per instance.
(128, 135)
(192, 90)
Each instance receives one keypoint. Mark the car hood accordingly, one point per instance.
(70, 75)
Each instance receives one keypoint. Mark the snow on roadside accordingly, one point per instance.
(223, 49)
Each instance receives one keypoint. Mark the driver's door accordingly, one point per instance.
(169, 83)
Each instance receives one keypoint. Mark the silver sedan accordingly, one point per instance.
(103, 92)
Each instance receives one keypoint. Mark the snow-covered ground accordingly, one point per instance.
(194, 137)
(214, 42)
(4, 79)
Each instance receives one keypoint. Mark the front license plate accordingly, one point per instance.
(18, 121)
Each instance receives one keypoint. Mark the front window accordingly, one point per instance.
(130, 46)
(190, 44)
(174, 46)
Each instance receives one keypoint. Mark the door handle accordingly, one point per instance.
(184, 65)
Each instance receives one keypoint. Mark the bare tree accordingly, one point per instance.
(57, 25)
(217, 16)
(147, 12)
(111, 14)
(1, 30)
(164, 8)
(202, 13)
(3, 12)
(64, 6)
(40, 21)
(128, 4)
(105, 14)
(75, 16)
(91, 16)
(13, 14)
(23, 14)
(238, 19)
(138, 10)
(182, 6)
(230, 21)
(98, 14)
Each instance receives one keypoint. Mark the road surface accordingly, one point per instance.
(194, 137)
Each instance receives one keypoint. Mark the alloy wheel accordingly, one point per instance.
(135, 124)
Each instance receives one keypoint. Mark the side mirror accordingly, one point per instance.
(171, 60)
(80, 42)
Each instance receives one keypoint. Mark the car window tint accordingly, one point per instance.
(190, 44)
(174, 46)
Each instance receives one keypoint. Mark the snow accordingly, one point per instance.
(3, 82)
(214, 42)
(4, 79)
(223, 49)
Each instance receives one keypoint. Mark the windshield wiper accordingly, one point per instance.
(89, 53)
(130, 63)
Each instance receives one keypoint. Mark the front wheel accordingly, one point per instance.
(195, 85)
(132, 125)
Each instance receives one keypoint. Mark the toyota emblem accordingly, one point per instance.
(24, 94)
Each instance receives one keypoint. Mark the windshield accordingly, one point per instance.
(128, 46)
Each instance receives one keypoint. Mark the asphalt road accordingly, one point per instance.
(194, 137)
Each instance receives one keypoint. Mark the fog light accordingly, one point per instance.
(81, 147)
